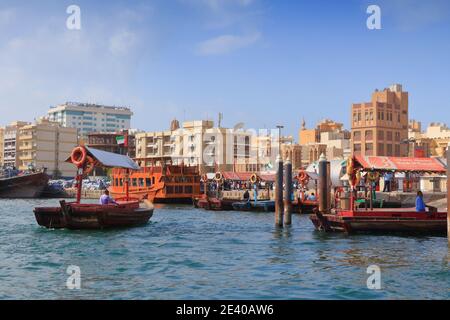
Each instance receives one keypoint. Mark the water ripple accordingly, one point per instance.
(185, 253)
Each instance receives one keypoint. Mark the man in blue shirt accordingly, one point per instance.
(420, 205)
(388, 182)
(106, 199)
(312, 197)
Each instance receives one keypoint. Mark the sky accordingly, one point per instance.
(260, 62)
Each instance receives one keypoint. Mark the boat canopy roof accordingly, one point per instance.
(110, 160)
(399, 164)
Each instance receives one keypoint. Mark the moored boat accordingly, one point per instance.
(158, 181)
(382, 220)
(23, 185)
(126, 212)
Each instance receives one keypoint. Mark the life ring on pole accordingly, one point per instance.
(78, 156)
(373, 176)
(218, 176)
(303, 177)
(254, 178)
(90, 165)
(205, 178)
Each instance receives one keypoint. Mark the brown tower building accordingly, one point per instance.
(379, 127)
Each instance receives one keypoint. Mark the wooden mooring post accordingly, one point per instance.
(279, 193)
(324, 185)
(288, 192)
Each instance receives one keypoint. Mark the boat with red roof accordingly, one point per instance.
(125, 212)
(378, 220)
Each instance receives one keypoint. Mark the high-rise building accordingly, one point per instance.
(380, 127)
(90, 118)
(46, 144)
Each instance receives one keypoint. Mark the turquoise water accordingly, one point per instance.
(186, 253)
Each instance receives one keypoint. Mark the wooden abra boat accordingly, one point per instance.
(89, 216)
(383, 220)
(402, 220)
(127, 212)
(26, 185)
(159, 181)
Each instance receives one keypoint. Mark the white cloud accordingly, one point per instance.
(226, 43)
(50, 64)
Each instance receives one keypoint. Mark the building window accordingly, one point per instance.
(357, 136)
(381, 149)
(397, 150)
(389, 135)
(389, 150)
(369, 149)
(357, 148)
(397, 136)
(380, 135)
(368, 135)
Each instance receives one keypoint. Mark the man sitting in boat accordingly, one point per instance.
(312, 197)
(420, 204)
(106, 199)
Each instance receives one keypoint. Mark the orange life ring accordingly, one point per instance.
(254, 178)
(90, 165)
(218, 176)
(303, 178)
(373, 176)
(78, 156)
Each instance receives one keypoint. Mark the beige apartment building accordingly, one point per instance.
(196, 143)
(10, 144)
(46, 144)
(380, 127)
(432, 142)
(328, 137)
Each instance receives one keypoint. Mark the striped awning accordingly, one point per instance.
(400, 164)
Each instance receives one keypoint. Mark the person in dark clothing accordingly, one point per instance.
(246, 196)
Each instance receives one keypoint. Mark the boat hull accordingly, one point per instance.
(433, 224)
(154, 196)
(213, 204)
(78, 216)
(25, 186)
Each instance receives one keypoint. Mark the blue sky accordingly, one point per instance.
(257, 61)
